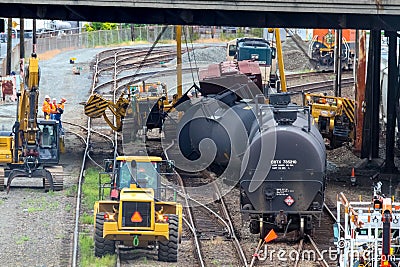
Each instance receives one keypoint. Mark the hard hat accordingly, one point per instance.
(63, 100)
(47, 97)
(54, 99)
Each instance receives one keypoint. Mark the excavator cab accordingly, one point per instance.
(49, 152)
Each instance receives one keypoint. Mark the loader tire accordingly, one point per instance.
(168, 249)
(102, 246)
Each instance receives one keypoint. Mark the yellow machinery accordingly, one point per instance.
(33, 144)
(334, 117)
(96, 107)
(142, 108)
(135, 216)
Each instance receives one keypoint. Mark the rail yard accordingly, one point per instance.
(123, 113)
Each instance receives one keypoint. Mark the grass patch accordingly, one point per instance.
(22, 240)
(71, 191)
(87, 254)
(40, 204)
(35, 209)
(90, 188)
(90, 191)
(86, 218)
(68, 207)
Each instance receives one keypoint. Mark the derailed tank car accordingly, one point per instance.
(272, 151)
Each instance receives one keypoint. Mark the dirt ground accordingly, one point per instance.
(38, 226)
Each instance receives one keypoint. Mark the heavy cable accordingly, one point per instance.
(189, 58)
(149, 52)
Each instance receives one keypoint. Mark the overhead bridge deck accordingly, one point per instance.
(361, 14)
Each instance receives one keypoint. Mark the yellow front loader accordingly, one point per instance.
(137, 215)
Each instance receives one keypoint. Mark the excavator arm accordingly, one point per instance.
(96, 107)
(34, 143)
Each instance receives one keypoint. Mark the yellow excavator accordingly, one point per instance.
(32, 148)
(137, 213)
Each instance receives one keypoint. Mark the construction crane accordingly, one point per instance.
(34, 144)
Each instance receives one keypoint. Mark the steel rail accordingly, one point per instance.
(235, 240)
(320, 255)
(80, 181)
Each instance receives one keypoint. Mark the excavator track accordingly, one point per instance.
(2, 185)
(57, 173)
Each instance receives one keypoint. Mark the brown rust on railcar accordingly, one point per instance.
(219, 77)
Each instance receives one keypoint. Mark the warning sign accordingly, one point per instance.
(136, 217)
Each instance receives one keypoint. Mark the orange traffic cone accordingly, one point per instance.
(270, 236)
(353, 177)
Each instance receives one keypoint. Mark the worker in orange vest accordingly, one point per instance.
(53, 108)
(46, 107)
(59, 111)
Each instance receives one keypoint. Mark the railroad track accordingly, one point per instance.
(316, 249)
(310, 75)
(108, 80)
(318, 86)
(209, 220)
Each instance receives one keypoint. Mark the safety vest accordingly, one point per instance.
(46, 107)
(53, 108)
(61, 106)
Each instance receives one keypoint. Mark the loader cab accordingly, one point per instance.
(143, 174)
(48, 142)
(141, 171)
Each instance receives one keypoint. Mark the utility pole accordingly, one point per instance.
(9, 46)
(179, 60)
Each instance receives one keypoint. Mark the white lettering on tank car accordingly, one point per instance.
(283, 191)
(283, 164)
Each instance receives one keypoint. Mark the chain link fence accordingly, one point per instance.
(63, 40)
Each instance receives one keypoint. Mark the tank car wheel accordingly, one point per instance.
(264, 231)
(168, 249)
(254, 226)
(102, 246)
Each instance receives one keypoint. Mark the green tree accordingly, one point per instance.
(96, 26)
